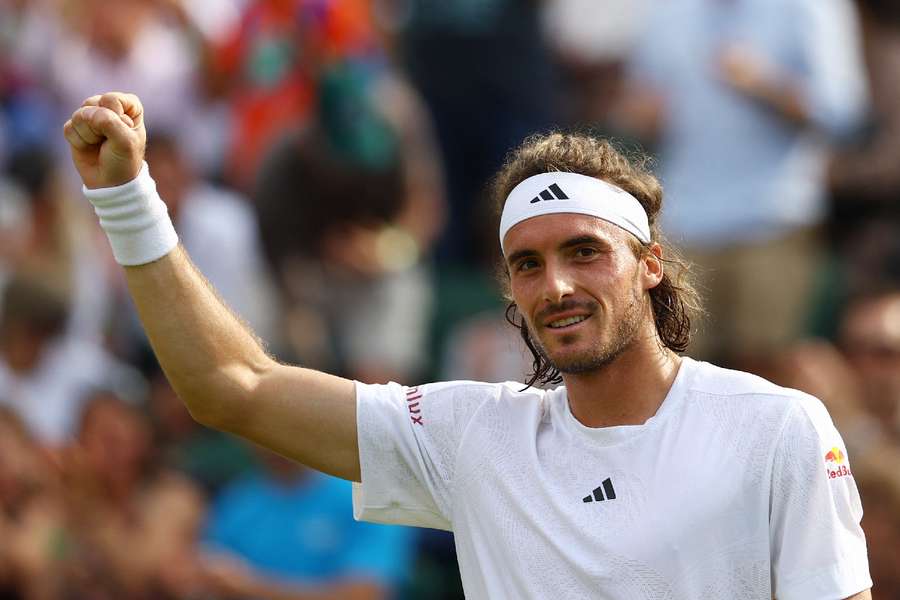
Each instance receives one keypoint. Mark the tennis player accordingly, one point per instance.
(646, 475)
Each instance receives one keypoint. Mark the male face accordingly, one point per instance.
(581, 289)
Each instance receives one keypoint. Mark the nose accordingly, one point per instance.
(557, 284)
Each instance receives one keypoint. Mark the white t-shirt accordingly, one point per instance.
(735, 489)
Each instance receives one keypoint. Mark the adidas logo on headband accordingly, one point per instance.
(585, 195)
(554, 192)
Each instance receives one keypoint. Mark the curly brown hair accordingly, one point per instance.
(674, 301)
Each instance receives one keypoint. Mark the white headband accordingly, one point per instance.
(559, 192)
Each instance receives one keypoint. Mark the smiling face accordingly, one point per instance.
(580, 287)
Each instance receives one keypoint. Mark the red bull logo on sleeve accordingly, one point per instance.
(834, 464)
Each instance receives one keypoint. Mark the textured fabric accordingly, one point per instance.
(727, 492)
(135, 220)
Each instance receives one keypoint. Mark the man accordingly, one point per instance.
(647, 476)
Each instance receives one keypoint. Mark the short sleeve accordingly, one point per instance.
(817, 544)
(408, 441)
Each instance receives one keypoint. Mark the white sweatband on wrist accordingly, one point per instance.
(560, 192)
(135, 220)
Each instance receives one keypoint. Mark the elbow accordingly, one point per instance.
(222, 401)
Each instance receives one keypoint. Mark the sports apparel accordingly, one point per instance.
(735, 489)
(135, 220)
(561, 192)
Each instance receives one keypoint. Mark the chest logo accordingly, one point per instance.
(604, 491)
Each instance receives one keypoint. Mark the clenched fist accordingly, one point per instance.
(107, 138)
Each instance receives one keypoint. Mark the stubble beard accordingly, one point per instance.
(624, 332)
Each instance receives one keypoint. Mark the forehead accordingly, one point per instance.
(546, 232)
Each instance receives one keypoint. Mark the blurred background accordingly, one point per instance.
(325, 163)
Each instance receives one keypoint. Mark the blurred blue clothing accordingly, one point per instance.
(304, 532)
(734, 170)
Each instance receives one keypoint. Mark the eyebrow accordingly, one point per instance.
(569, 243)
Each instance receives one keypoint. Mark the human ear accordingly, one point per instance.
(651, 260)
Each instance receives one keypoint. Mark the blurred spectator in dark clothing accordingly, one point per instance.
(864, 176)
(348, 207)
(288, 532)
(45, 375)
(740, 93)
(484, 71)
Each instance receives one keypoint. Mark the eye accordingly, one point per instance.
(585, 251)
(526, 265)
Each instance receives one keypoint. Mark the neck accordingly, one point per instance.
(627, 391)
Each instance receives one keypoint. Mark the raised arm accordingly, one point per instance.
(214, 362)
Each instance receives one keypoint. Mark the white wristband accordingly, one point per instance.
(135, 220)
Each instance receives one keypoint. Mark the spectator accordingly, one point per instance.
(348, 208)
(739, 91)
(592, 52)
(135, 524)
(288, 532)
(44, 375)
(268, 67)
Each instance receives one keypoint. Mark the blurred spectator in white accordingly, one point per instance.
(288, 532)
(44, 374)
(128, 45)
(593, 51)
(741, 94)
(220, 230)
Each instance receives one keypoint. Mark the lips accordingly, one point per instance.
(566, 319)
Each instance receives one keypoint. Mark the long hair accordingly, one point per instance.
(674, 301)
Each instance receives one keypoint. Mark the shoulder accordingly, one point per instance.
(752, 394)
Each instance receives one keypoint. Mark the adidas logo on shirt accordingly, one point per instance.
(554, 192)
(598, 493)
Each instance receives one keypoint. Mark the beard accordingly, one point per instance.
(624, 332)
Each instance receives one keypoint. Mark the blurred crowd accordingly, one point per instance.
(325, 163)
